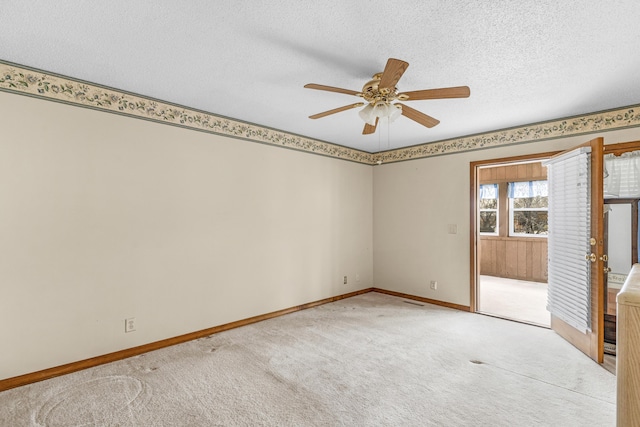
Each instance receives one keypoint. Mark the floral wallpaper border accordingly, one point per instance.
(596, 122)
(41, 84)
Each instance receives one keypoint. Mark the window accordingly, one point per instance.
(528, 208)
(488, 207)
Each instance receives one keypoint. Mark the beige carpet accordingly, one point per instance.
(514, 299)
(371, 360)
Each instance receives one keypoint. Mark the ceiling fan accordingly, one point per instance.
(381, 91)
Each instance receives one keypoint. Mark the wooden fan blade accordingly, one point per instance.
(337, 110)
(418, 117)
(445, 92)
(331, 89)
(368, 129)
(394, 69)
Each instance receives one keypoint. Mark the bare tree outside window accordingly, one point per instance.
(529, 215)
(488, 215)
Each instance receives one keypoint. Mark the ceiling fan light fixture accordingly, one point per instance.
(381, 109)
(395, 111)
(367, 114)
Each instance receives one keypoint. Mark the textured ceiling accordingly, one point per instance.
(525, 61)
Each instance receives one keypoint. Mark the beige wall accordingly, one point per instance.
(105, 217)
(415, 201)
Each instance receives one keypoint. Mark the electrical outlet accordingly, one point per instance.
(345, 280)
(130, 324)
(453, 229)
(433, 285)
(357, 277)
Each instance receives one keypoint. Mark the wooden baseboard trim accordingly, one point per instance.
(423, 299)
(45, 374)
(33, 377)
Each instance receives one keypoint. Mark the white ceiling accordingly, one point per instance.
(525, 61)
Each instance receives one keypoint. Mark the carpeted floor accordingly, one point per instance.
(514, 299)
(371, 360)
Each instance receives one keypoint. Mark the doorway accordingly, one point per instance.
(621, 201)
(621, 243)
(511, 241)
(577, 305)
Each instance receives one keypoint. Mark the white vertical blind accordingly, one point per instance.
(569, 296)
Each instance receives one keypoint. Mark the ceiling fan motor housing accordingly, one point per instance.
(372, 93)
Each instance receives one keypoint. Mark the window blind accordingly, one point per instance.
(569, 291)
(622, 176)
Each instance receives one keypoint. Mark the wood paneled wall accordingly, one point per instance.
(523, 258)
(522, 172)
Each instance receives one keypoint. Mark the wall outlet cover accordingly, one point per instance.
(130, 324)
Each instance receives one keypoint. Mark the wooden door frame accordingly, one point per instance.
(622, 147)
(474, 183)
